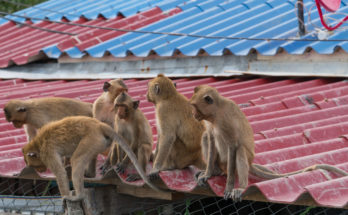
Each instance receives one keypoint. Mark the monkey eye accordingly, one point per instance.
(208, 99)
(21, 109)
(32, 154)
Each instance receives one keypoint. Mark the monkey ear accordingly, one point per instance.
(136, 104)
(157, 89)
(32, 154)
(196, 89)
(120, 82)
(208, 100)
(106, 86)
(21, 109)
(175, 85)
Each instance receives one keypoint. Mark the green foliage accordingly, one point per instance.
(188, 203)
(6, 6)
(307, 210)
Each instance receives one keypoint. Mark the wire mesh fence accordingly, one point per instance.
(24, 196)
(27, 196)
(219, 206)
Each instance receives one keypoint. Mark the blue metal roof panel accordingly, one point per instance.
(90, 9)
(119, 46)
(244, 19)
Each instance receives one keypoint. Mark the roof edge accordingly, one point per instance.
(306, 65)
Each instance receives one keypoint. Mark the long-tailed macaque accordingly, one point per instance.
(34, 113)
(228, 143)
(179, 134)
(103, 106)
(132, 125)
(80, 138)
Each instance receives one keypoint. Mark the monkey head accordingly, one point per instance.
(160, 88)
(16, 112)
(125, 106)
(32, 157)
(114, 88)
(204, 103)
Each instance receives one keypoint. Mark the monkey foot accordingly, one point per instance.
(199, 173)
(104, 168)
(73, 198)
(235, 194)
(133, 177)
(154, 175)
(120, 169)
(90, 175)
(201, 178)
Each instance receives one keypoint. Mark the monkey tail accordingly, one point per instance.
(264, 172)
(109, 132)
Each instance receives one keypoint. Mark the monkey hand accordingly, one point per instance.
(154, 174)
(235, 194)
(120, 168)
(202, 179)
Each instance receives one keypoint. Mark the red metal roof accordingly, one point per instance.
(297, 123)
(22, 44)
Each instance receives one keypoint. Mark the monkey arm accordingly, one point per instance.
(211, 155)
(208, 142)
(30, 130)
(125, 161)
(164, 146)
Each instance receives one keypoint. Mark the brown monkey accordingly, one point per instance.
(34, 113)
(228, 142)
(179, 134)
(80, 138)
(131, 124)
(103, 107)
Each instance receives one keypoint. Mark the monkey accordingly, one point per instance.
(131, 124)
(34, 113)
(179, 134)
(103, 106)
(80, 138)
(228, 143)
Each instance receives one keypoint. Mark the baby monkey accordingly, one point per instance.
(103, 106)
(134, 128)
(228, 143)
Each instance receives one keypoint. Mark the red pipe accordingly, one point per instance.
(322, 19)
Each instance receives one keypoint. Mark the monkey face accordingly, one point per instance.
(115, 87)
(196, 113)
(16, 112)
(203, 103)
(32, 159)
(124, 105)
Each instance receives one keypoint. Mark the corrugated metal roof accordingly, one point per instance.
(90, 9)
(253, 19)
(240, 19)
(21, 45)
(245, 19)
(297, 123)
